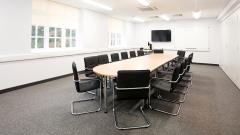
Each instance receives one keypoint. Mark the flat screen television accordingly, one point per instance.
(161, 36)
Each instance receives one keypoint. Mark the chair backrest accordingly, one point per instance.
(103, 59)
(114, 57)
(189, 61)
(133, 79)
(182, 69)
(175, 76)
(140, 53)
(191, 56)
(124, 55)
(75, 76)
(181, 53)
(132, 54)
(83, 86)
(91, 62)
(158, 51)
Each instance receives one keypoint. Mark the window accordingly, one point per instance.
(115, 39)
(55, 37)
(37, 39)
(52, 37)
(70, 38)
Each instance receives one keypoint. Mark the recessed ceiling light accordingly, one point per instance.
(165, 17)
(96, 4)
(144, 2)
(197, 14)
(138, 19)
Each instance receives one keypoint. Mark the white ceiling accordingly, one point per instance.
(127, 9)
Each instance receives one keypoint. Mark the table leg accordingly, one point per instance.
(105, 94)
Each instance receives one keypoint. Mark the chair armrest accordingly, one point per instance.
(162, 79)
(88, 79)
(84, 72)
(89, 69)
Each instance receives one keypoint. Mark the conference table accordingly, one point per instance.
(148, 62)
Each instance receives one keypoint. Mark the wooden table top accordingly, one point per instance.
(148, 62)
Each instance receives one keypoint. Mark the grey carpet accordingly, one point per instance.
(211, 108)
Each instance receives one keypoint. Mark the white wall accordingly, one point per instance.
(230, 49)
(95, 30)
(15, 27)
(205, 38)
(22, 72)
(15, 38)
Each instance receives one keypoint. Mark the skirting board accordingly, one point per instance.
(33, 83)
(206, 64)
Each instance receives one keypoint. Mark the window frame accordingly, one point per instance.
(46, 38)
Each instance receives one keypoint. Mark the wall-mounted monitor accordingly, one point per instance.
(161, 36)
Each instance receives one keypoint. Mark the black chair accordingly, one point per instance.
(140, 53)
(181, 53)
(124, 55)
(115, 57)
(188, 76)
(103, 59)
(181, 82)
(158, 51)
(163, 85)
(84, 86)
(132, 84)
(90, 63)
(132, 54)
(189, 62)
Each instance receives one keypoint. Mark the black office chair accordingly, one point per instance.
(188, 76)
(132, 84)
(103, 59)
(132, 54)
(124, 55)
(84, 86)
(90, 63)
(181, 53)
(163, 85)
(189, 62)
(140, 53)
(115, 57)
(158, 51)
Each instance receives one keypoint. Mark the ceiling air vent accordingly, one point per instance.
(177, 15)
(144, 9)
(154, 17)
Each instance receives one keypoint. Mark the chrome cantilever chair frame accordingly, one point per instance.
(141, 110)
(88, 99)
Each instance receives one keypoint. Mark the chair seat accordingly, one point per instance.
(186, 77)
(165, 76)
(162, 85)
(87, 85)
(188, 74)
